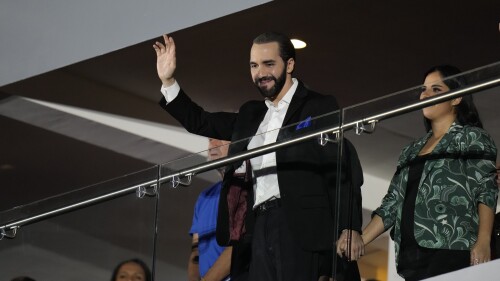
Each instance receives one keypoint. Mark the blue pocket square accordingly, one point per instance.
(304, 124)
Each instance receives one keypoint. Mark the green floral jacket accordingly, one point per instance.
(459, 174)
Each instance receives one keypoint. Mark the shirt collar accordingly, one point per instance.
(287, 98)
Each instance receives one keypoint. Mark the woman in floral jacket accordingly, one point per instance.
(441, 200)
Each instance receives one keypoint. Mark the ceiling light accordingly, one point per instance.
(298, 44)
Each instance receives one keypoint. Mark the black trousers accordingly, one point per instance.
(422, 263)
(276, 256)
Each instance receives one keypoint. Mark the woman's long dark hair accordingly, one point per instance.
(143, 265)
(466, 110)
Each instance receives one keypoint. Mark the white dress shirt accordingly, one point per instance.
(265, 186)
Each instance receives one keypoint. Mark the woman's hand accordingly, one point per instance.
(480, 252)
(351, 245)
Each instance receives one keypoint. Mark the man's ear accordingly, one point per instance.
(290, 65)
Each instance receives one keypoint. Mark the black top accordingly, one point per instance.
(407, 216)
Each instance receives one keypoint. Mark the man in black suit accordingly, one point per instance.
(290, 210)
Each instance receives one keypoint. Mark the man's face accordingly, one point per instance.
(268, 69)
(217, 149)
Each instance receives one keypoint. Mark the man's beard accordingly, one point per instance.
(273, 92)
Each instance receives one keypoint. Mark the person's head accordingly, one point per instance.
(441, 79)
(272, 61)
(217, 149)
(131, 270)
(286, 49)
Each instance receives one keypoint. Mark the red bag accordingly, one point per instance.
(239, 189)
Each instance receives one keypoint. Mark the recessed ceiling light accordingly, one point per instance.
(298, 44)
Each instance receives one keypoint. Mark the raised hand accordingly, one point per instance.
(165, 60)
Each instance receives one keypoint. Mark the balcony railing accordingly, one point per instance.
(141, 210)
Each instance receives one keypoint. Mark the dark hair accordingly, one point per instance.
(142, 264)
(466, 110)
(287, 50)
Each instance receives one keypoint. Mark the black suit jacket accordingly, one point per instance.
(307, 172)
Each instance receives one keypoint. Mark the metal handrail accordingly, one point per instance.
(75, 206)
(210, 165)
(196, 169)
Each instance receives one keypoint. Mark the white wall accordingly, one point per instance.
(42, 35)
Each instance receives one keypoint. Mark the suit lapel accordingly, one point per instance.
(440, 148)
(256, 115)
(249, 130)
(246, 130)
(297, 101)
(417, 146)
(447, 139)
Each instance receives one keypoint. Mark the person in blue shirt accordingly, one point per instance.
(209, 261)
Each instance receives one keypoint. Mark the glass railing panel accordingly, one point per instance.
(48, 151)
(79, 198)
(379, 148)
(378, 154)
(175, 216)
(306, 175)
(308, 127)
(86, 243)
